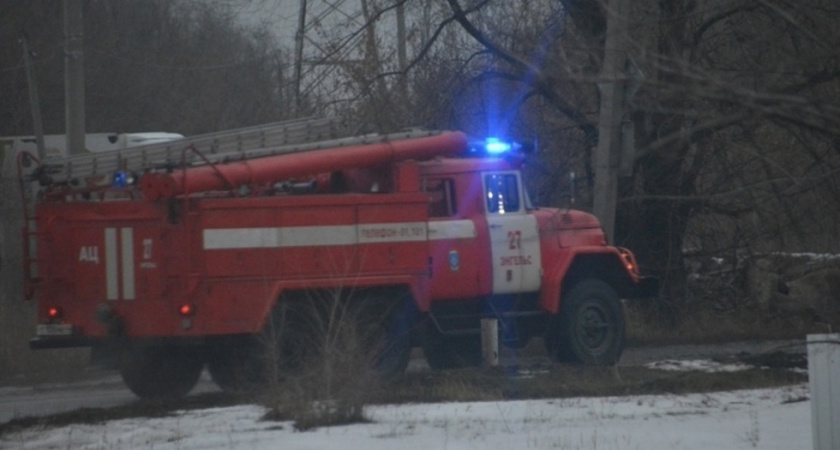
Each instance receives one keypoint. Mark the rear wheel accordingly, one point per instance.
(590, 327)
(247, 362)
(236, 363)
(161, 371)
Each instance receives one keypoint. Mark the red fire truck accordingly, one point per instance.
(208, 251)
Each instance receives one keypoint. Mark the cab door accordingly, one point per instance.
(514, 237)
(455, 249)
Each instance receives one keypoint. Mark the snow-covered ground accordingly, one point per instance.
(765, 419)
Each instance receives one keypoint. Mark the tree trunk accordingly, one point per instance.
(16, 317)
(654, 227)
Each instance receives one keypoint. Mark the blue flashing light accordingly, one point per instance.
(120, 179)
(494, 146)
(123, 178)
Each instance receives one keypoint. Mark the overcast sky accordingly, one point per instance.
(282, 15)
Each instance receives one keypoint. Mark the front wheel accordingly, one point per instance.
(589, 328)
(161, 371)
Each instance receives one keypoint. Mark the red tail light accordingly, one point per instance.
(186, 310)
(54, 312)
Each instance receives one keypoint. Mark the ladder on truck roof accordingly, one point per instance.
(96, 170)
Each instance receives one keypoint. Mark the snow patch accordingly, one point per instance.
(773, 419)
(698, 365)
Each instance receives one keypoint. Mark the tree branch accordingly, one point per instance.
(539, 80)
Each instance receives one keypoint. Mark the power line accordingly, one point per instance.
(177, 67)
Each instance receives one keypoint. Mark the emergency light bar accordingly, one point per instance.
(493, 146)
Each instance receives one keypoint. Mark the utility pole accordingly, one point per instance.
(34, 101)
(74, 77)
(299, 54)
(402, 57)
(401, 36)
(371, 53)
(611, 113)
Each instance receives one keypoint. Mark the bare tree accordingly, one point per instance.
(761, 71)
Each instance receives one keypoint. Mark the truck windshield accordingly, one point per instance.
(502, 193)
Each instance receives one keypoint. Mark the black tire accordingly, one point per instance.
(247, 363)
(450, 352)
(590, 328)
(236, 363)
(161, 371)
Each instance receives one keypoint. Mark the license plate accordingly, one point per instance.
(54, 329)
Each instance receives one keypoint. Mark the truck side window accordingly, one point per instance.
(441, 197)
(502, 193)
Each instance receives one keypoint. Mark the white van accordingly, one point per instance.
(55, 145)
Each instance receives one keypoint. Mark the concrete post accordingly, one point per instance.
(824, 380)
(490, 342)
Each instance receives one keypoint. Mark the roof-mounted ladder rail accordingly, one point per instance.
(96, 169)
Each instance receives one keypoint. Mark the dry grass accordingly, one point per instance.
(331, 383)
(701, 325)
(559, 381)
(333, 389)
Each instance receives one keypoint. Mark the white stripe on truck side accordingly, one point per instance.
(333, 235)
(111, 281)
(119, 263)
(127, 248)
